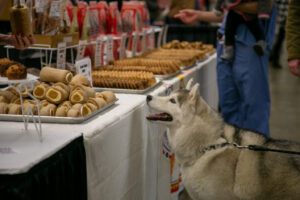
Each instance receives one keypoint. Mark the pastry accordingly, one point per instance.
(20, 20)
(16, 71)
(14, 109)
(80, 94)
(7, 96)
(49, 74)
(99, 102)
(4, 65)
(40, 90)
(87, 109)
(75, 111)
(66, 104)
(108, 96)
(63, 108)
(48, 110)
(43, 103)
(80, 79)
(31, 106)
(3, 108)
(56, 94)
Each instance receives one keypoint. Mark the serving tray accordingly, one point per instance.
(53, 119)
(128, 91)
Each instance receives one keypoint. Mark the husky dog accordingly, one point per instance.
(213, 170)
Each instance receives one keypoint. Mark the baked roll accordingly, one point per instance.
(80, 79)
(48, 110)
(57, 94)
(75, 111)
(40, 90)
(88, 109)
(49, 74)
(99, 102)
(14, 109)
(3, 108)
(108, 96)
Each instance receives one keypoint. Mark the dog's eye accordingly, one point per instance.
(172, 100)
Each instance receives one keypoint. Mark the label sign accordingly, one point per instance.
(84, 67)
(99, 52)
(81, 49)
(122, 46)
(110, 48)
(144, 40)
(61, 56)
(159, 38)
(134, 43)
(152, 39)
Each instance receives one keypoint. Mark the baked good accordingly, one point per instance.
(75, 111)
(87, 109)
(16, 71)
(56, 94)
(40, 90)
(48, 110)
(14, 109)
(80, 94)
(109, 96)
(99, 102)
(4, 65)
(3, 108)
(80, 79)
(49, 74)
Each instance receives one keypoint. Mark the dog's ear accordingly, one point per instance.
(194, 93)
(189, 84)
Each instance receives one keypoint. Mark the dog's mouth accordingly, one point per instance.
(160, 117)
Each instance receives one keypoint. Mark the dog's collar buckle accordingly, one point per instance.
(218, 146)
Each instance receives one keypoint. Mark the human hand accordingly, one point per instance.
(20, 42)
(294, 66)
(188, 16)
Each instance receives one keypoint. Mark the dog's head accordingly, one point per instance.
(177, 108)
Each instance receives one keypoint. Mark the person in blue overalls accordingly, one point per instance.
(244, 96)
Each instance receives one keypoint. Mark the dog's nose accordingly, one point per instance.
(149, 98)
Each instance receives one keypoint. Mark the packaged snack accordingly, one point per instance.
(93, 20)
(115, 22)
(103, 17)
(81, 16)
(20, 19)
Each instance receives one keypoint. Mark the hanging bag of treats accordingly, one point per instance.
(20, 19)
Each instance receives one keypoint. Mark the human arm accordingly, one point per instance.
(293, 36)
(18, 41)
(190, 16)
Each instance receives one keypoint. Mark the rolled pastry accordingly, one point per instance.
(75, 111)
(63, 86)
(43, 103)
(62, 111)
(80, 79)
(78, 96)
(99, 102)
(3, 108)
(67, 104)
(89, 91)
(49, 74)
(32, 106)
(56, 94)
(48, 110)
(87, 109)
(14, 109)
(108, 96)
(40, 90)
(7, 95)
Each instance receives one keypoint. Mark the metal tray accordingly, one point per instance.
(202, 60)
(189, 66)
(30, 77)
(168, 76)
(58, 120)
(128, 91)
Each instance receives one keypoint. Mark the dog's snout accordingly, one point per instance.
(149, 98)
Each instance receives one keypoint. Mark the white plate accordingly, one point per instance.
(5, 81)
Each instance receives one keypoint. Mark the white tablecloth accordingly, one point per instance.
(123, 150)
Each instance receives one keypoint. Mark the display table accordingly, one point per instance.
(123, 151)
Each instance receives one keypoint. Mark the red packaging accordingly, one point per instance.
(115, 21)
(70, 10)
(81, 13)
(145, 14)
(133, 8)
(103, 17)
(93, 20)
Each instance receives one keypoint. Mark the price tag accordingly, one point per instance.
(40, 6)
(61, 56)
(55, 9)
(81, 49)
(165, 34)
(144, 40)
(152, 39)
(122, 46)
(84, 67)
(99, 52)
(110, 48)
(159, 38)
(134, 43)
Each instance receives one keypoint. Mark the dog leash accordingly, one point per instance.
(249, 147)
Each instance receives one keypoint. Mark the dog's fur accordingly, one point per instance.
(226, 173)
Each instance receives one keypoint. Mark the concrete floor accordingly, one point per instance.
(285, 103)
